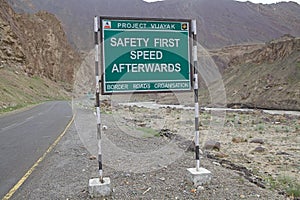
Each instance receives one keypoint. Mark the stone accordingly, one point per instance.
(216, 163)
(283, 153)
(92, 158)
(98, 189)
(193, 190)
(191, 146)
(239, 139)
(200, 188)
(212, 145)
(200, 177)
(257, 140)
(259, 149)
(221, 155)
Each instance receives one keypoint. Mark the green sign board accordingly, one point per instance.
(145, 55)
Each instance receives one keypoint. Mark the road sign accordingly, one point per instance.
(145, 55)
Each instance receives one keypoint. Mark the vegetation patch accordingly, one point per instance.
(148, 132)
(260, 127)
(18, 90)
(286, 183)
(11, 108)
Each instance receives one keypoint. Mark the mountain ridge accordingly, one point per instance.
(255, 74)
(220, 22)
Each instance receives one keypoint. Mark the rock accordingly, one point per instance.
(216, 163)
(92, 157)
(212, 145)
(191, 147)
(259, 149)
(200, 188)
(193, 190)
(238, 139)
(166, 133)
(141, 124)
(283, 153)
(257, 140)
(221, 155)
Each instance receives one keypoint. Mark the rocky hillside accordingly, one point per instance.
(262, 75)
(36, 60)
(220, 22)
(255, 74)
(39, 41)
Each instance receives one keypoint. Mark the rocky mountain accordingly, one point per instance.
(220, 22)
(255, 74)
(262, 75)
(35, 57)
(39, 42)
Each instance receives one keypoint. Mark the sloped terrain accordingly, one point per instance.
(255, 74)
(263, 75)
(36, 61)
(220, 22)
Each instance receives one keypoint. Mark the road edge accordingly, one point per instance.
(29, 172)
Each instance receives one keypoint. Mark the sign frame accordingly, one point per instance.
(146, 20)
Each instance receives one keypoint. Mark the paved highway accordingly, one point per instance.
(25, 137)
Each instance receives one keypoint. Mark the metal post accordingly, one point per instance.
(195, 62)
(96, 34)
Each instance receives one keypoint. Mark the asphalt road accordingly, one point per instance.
(25, 137)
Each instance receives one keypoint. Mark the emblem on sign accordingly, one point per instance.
(107, 25)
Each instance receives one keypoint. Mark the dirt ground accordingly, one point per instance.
(257, 156)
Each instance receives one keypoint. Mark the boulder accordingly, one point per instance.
(212, 145)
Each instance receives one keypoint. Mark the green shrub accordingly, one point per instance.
(260, 127)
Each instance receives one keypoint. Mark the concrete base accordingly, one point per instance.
(98, 189)
(201, 177)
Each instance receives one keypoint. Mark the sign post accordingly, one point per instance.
(145, 55)
(100, 186)
(196, 90)
(198, 175)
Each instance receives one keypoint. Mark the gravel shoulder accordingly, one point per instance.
(64, 174)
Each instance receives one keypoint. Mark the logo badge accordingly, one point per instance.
(107, 24)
